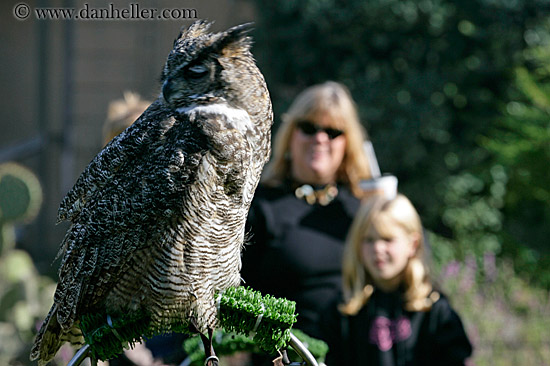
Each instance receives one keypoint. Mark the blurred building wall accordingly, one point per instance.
(57, 78)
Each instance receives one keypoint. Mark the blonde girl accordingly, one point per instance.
(386, 249)
(391, 314)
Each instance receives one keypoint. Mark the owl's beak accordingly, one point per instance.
(167, 90)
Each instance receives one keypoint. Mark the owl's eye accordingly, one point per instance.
(196, 72)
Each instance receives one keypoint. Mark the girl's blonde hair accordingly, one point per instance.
(332, 100)
(383, 214)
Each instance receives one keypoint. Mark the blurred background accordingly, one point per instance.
(454, 94)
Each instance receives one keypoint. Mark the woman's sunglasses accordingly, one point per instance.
(311, 129)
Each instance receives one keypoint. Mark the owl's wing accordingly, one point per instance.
(120, 211)
(107, 162)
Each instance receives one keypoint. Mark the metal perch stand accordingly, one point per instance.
(302, 351)
(295, 343)
(80, 356)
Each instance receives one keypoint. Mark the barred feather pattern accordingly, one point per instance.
(157, 218)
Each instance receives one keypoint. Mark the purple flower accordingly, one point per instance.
(469, 276)
(489, 266)
(471, 264)
(452, 269)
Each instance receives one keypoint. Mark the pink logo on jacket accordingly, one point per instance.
(385, 332)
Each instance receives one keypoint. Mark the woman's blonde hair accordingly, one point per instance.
(383, 214)
(332, 100)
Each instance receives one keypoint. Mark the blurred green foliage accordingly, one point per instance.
(520, 141)
(25, 298)
(25, 295)
(455, 96)
(20, 200)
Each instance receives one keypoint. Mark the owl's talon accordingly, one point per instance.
(193, 327)
(211, 359)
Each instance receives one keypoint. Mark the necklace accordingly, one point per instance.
(312, 196)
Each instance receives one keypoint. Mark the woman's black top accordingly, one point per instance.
(295, 249)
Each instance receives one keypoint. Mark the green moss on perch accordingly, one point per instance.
(269, 319)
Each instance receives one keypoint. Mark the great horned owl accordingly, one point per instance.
(157, 218)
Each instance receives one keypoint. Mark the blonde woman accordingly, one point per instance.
(122, 113)
(391, 314)
(306, 201)
(320, 141)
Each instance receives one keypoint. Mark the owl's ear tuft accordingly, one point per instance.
(196, 29)
(234, 40)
